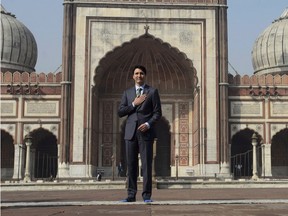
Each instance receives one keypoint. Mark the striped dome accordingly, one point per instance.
(270, 51)
(18, 45)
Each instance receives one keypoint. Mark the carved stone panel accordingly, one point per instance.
(279, 109)
(36, 108)
(8, 108)
(246, 109)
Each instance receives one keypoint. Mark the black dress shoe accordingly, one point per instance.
(129, 199)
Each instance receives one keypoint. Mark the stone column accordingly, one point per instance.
(255, 165)
(18, 161)
(63, 168)
(223, 91)
(266, 160)
(67, 70)
(28, 142)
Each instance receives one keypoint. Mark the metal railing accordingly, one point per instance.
(242, 164)
(45, 166)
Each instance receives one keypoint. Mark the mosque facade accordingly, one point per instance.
(214, 124)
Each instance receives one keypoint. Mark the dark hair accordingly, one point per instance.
(141, 67)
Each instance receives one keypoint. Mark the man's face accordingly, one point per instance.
(139, 77)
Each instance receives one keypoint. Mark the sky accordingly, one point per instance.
(247, 19)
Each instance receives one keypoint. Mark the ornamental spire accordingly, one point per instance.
(146, 27)
(284, 15)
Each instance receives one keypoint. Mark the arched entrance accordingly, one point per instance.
(242, 153)
(7, 155)
(44, 143)
(168, 70)
(279, 153)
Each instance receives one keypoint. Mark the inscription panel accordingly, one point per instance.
(246, 108)
(279, 109)
(8, 108)
(41, 108)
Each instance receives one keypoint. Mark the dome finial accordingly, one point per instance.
(4, 11)
(146, 27)
(284, 15)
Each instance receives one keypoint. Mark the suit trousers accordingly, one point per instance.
(145, 148)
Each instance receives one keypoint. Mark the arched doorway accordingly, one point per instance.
(279, 153)
(242, 153)
(168, 70)
(7, 155)
(44, 143)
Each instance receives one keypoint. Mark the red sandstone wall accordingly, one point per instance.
(263, 80)
(245, 85)
(25, 77)
(25, 83)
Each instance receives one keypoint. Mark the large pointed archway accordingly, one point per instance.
(279, 153)
(44, 145)
(242, 155)
(168, 70)
(7, 155)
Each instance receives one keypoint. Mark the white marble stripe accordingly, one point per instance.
(167, 202)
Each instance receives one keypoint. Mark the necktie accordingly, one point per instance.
(138, 92)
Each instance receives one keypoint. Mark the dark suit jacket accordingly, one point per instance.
(149, 111)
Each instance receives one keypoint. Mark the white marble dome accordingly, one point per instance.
(270, 50)
(18, 45)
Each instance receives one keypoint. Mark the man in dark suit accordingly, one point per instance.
(141, 104)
